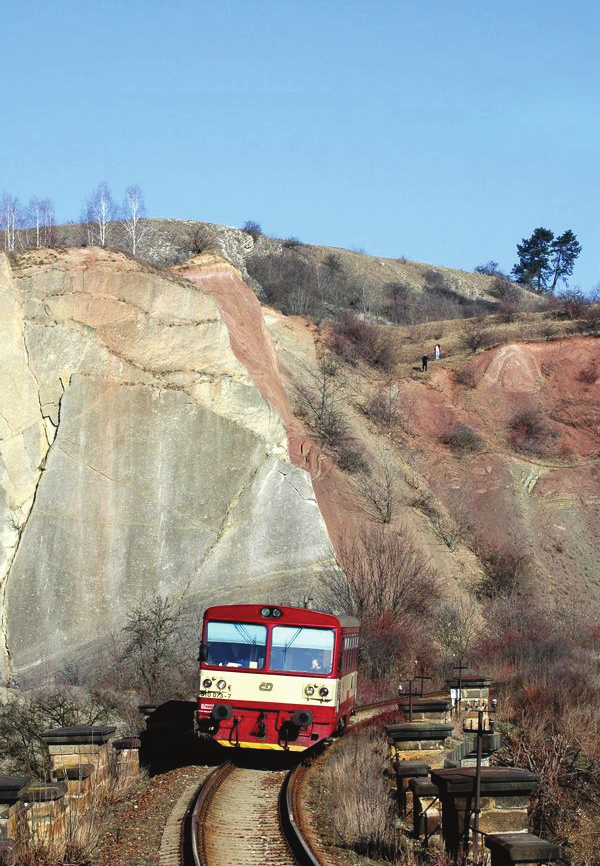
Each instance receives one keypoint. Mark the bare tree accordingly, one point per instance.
(376, 489)
(458, 627)
(99, 211)
(9, 219)
(134, 213)
(386, 581)
(321, 399)
(385, 573)
(40, 217)
(154, 649)
(24, 716)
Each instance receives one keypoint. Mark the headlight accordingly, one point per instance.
(206, 684)
(309, 690)
(221, 685)
(323, 692)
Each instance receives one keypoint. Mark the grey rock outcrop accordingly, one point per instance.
(138, 455)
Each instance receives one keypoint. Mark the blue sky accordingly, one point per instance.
(443, 132)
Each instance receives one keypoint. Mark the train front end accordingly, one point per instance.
(273, 677)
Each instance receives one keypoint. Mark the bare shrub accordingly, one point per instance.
(550, 729)
(503, 289)
(462, 439)
(518, 636)
(434, 279)
(400, 302)
(200, 241)
(424, 501)
(384, 572)
(390, 408)
(548, 714)
(505, 572)
(588, 375)
(572, 303)
(289, 280)
(458, 627)
(320, 400)
(388, 584)
(475, 336)
(383, 408)
(508, 311)
(592, 318)
(354, 339)
(549, 332)
(531, 433)
(333, 262)
(153, 651)
(453, 528)
(490, 269)
(376, 490)
(252, 228)
(466, 376)
(350, 458)
(25, 716)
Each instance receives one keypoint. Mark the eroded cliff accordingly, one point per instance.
(140, 452)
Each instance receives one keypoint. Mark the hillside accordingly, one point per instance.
(322, 281)
(156, 439)
(464, 481)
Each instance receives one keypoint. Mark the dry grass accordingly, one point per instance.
(79, 843)
(363, 815)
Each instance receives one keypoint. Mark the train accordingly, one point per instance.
(275, 677)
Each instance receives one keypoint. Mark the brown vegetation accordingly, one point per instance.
(353, 339)
(548, 715)
(531, 433)
(462, 439)
(386, 581)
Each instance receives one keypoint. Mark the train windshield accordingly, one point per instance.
(303, 650)
(236, 645)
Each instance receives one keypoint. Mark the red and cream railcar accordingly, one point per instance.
(274, 677)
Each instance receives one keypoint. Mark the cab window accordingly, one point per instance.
(302, 650)
(236, 645)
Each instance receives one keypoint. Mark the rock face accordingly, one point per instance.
(139, 454)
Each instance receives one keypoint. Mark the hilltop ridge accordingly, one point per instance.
(321, 281)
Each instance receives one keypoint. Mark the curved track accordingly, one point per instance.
(246, 816)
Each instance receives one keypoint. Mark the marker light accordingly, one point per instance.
(265, 611)
(207, 683)
(276, 612)
(323, 692)
(309, 690)
(221, 685)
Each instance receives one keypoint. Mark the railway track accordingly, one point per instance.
(242, 816)
(247, 816)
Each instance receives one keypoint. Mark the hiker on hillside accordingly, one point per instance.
(424, 360)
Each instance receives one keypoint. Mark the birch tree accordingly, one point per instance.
(99, 211)
(41, 220)
(134, 213)
(9, 217)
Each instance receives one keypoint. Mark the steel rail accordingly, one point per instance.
(288, 810)
(205, 796)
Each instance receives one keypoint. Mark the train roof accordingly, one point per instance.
(287, 614)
